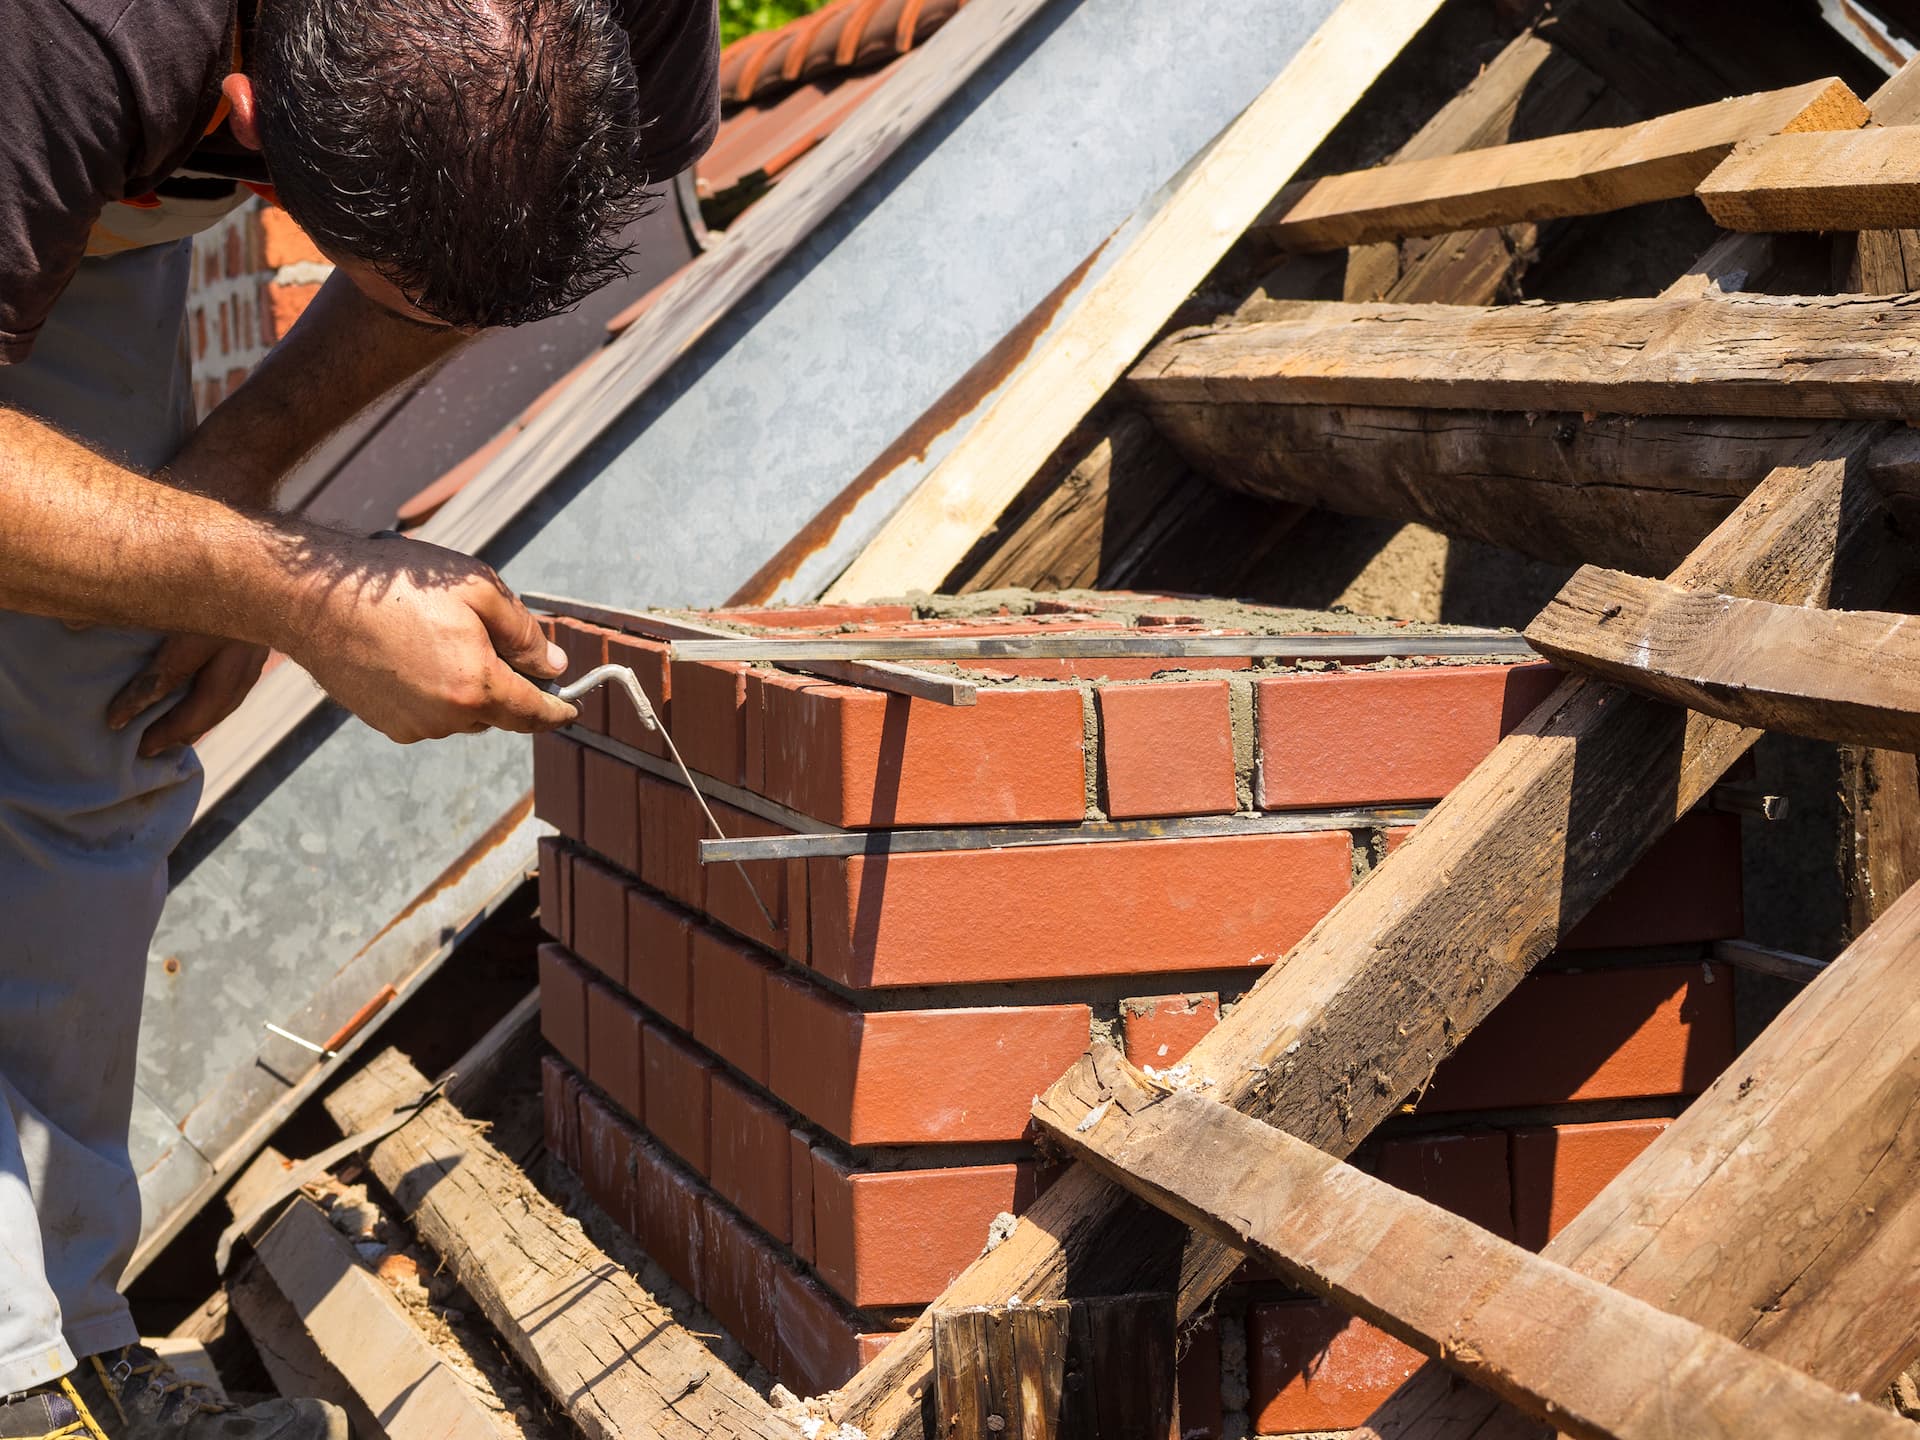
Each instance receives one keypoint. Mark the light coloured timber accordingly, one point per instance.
(1584, 173)
(365, 1333)
(1361, 1011)
(1074, 366)
(1562, 1347)
(1863, 180)
(1770, 356)
(1782, 1209)
(612, 1356)
(1847, 675)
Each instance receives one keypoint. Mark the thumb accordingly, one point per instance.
(516, 635)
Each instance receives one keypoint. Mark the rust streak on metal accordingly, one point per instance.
(489, 841)
(960, 401)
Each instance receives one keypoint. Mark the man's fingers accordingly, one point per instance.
(217, 692)
(169, 667)
(522, 706)
(516, 635)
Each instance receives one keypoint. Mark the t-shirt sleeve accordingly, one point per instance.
(676, 50)
(68, 122)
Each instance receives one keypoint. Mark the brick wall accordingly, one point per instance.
(253, 274)
(812, 1124)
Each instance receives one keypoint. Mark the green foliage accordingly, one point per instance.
(743, 17)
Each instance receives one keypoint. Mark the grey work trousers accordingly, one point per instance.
(85, 829)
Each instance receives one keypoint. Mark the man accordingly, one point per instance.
(465, 163)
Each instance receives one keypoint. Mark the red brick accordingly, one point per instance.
(730, 1001)
(1687, 888)
(600, 918)
(1466, 1174)
(1603, 1034)
(559, 1111)
(709, 717)
(751, 1150)
(678, 1094)
(728, 899)
(739, 1273)
(1166, 749)
(285, 305)
(660, 956)
(607, 1166)
(1041, 912)
(563, 1004)
(586, 647)
(648, 661)
(1198, 1383)
(819, 1342)
(754, 724)
(1310, 1367)
(671, 826)
(614, 1053)
(611, 805)
(1160, 1029)
(800, 1191)
(799, 912)
(1373, 736)
(670, 1212)
(861, 757)
(283, 242)
(904, 1077)
(1558, 1169)
(557, 790)
(814, 617)
(556, 885)
(899, 1237)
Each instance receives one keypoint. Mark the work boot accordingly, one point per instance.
(46, 1412)
(133, 1394)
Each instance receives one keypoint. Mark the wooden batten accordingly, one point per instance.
(1584, 173)
(1863, 180)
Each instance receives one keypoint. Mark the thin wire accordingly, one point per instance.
(624, 677)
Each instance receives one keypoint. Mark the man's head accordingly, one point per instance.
(477, 155)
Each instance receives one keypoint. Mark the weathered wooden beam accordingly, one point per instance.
(363, 1332)
(1585, 173)
(1742, 354)
(1848, 675)
(1076, 364)
(1782, 1209)
(611, 1355)
(1861, 180)
(1093, 1369)
(1558, 1345)
(1387, 984)
(291, 1358)
(1765, 960)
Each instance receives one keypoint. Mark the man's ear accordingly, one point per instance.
(242, 119)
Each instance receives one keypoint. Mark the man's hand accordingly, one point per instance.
(219, 674)
(422, 642)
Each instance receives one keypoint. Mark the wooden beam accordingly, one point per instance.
(1765, 960)
(1585, 173)
(1558, 1345)
(1762, 355)
(1848, 675)
(1078, 362)
(1363, 1009)
(1094, 1369)
(1862, 180)
(611, 1355)
(292, 1361)
(364, 1332)
(1782, 1209)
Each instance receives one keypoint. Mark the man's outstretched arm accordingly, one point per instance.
(418, 641)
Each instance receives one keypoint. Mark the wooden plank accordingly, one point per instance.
(1765, 960)
(1863, 180)
(1781, 1209)
(617, 1363)
(1744, 354)
(1094, 1369)
(1584, 173)
(292, 1361)
(1330, 1041)
(697, 299)
(873, 675)
(364, 1332)
(1850, 675)
(1521, 1326)
(1078, 362)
